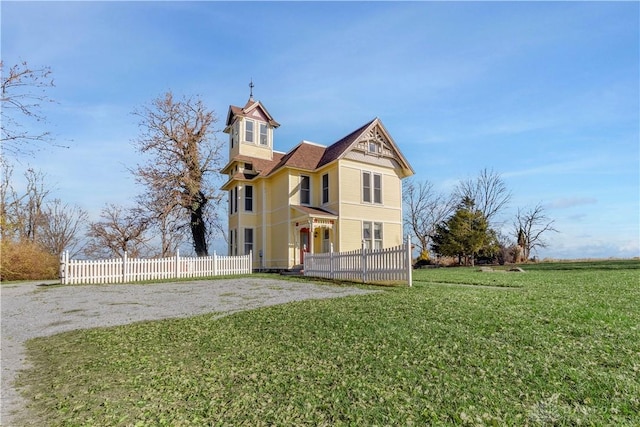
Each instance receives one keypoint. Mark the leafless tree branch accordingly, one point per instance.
(529, 227)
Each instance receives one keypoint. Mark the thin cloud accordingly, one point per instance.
(570, 202)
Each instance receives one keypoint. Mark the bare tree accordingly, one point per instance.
(8, 201)
(424, 210)
(22, 212)
(488, 192)
(121, 230)
(179, 137)
(30, 215)
(529, 226)
(61, 227)
(166, 221)
(23, 92)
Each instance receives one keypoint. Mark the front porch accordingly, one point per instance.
(314, 231)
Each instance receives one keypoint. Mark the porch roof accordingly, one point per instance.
(313, 212)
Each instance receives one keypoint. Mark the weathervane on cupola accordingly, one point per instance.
(251, 85)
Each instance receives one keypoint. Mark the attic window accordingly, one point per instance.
(374, 147)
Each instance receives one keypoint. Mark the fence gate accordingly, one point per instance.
(392, 265)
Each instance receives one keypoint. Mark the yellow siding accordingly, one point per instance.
(274, 221)
(392, 190)
(392, 234)
(350, 185)
(353, 211)
(253, 150)
(277, 218)
(350, 235)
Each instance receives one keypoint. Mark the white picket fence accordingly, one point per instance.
(392, 265)
(126, 270)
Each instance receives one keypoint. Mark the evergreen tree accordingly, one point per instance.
(465, 234)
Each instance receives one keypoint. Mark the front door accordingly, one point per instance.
(304, 243)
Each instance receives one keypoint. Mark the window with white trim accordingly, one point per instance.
(325, 188)
(377, 235)
(366, 234)
(372, 234)
(248, 198)
(234, 134)
(366, 187)
(248, 240)
(248, 130)
(305, 190)
(371, 187)
(326, 240)
(377, 188)
(233, 239)
(264, 134)
(233, 200)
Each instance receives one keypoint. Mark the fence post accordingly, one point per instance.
(124, 267)
(250, 261)
(63, 267)
(408, 261)
(177, 264)
(215, 263)
(331, 260)
(364, 262)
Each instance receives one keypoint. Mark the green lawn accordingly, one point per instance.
(557, 345)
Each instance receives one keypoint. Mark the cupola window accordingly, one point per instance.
(248, 134)
(264, 134)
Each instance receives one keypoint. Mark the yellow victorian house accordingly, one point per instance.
(314, 198)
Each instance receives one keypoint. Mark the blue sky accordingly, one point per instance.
(546, 94)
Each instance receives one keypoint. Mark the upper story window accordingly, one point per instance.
(371, 187)
(377, 188)
(325, 188)
(264, 134)
(366, 187)
(374, 147)
(305, 190)
(248, 130)
(233, 195)
(248, 198)
(234, 134)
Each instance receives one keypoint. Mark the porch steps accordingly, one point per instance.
(296, 270)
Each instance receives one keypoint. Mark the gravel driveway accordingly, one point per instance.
(35, 310)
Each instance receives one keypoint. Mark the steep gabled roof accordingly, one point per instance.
(246, 112)
(340, 147)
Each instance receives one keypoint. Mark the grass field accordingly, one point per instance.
(556, 345)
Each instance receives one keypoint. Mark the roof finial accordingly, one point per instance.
(251, 89)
